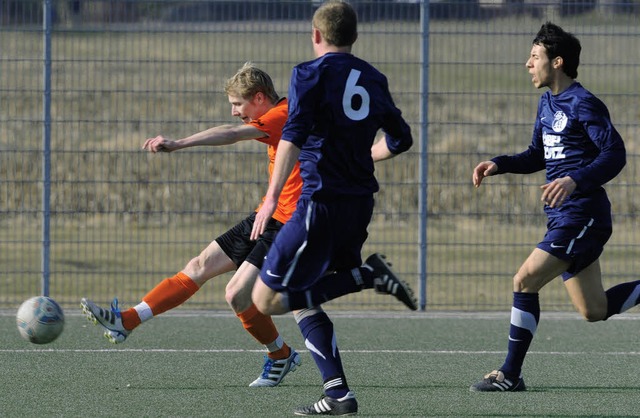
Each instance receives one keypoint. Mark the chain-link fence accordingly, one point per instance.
(96, 216)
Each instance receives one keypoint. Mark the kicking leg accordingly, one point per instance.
(168, 294)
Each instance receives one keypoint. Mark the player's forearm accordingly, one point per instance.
(380, 151)
(218, 135)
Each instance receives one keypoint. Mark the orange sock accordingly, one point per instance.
(170, 293)
(167, 294)
(263, 329)
(130, 319)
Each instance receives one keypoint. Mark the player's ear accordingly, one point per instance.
(316, 36)
(259, 97)
(557, 62)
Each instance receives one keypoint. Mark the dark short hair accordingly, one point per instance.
(560, 43)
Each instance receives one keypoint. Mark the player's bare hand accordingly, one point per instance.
(262, 218)
(556, 192)
(160, 144)
(482, 170)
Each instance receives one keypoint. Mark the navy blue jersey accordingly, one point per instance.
(337, 104)
(573, 136)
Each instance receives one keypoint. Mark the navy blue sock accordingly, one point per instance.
(525, 315)
(319, 338)
(331, 286)
(622, 297)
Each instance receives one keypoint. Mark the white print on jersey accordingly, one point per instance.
(559, 121)
(351, 89)
(553, 149)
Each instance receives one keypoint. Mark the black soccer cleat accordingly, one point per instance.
(496, 381)
(385, 281)
(347, 405)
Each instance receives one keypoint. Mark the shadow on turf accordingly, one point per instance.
(545, 415)
(608, 389)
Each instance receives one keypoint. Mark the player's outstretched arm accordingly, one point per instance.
(482, 170)
(216, 136)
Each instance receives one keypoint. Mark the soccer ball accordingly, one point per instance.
(40, 320)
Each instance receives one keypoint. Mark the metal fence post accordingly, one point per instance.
(424, 103)
(46, 147)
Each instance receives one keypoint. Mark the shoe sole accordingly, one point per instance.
(88, 314)
(490, 387)
(94, 320)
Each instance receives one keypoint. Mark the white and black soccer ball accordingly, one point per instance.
(40, 320)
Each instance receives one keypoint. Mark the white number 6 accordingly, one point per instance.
(351, 90)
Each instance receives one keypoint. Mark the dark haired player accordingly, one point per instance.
(580, 149)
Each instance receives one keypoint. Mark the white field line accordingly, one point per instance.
(561, 316)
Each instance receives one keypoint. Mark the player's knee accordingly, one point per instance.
(590, 317)
(237, 298)
(528, 282)
(593, 313)
(195, 269)
(519, 283)
(231, 296)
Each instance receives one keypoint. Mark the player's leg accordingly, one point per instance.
(319, 338)
(587, 294)
(375, 273)
(591, 300)
(537, 270)
(168, 294)
(583, 280)
(267, 300)
(340, 240)
(280, 358)
(300, 254)
(294, 260)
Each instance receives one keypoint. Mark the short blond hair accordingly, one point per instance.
(337, 22)
(250, 80)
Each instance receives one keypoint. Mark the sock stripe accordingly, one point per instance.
(525, 320)
(632, 300)
(357, 276)
(333, 383)
(144, 311)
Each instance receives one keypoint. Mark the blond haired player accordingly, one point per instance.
(254, 100)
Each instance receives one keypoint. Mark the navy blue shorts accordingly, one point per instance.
(239, 248)
(319, 237)
(579, 244)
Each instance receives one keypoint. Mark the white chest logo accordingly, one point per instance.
(559, 121)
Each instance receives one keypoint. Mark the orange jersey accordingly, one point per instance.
(271, 123)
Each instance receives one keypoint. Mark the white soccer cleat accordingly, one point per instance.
(110, 320)
(275, 370)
